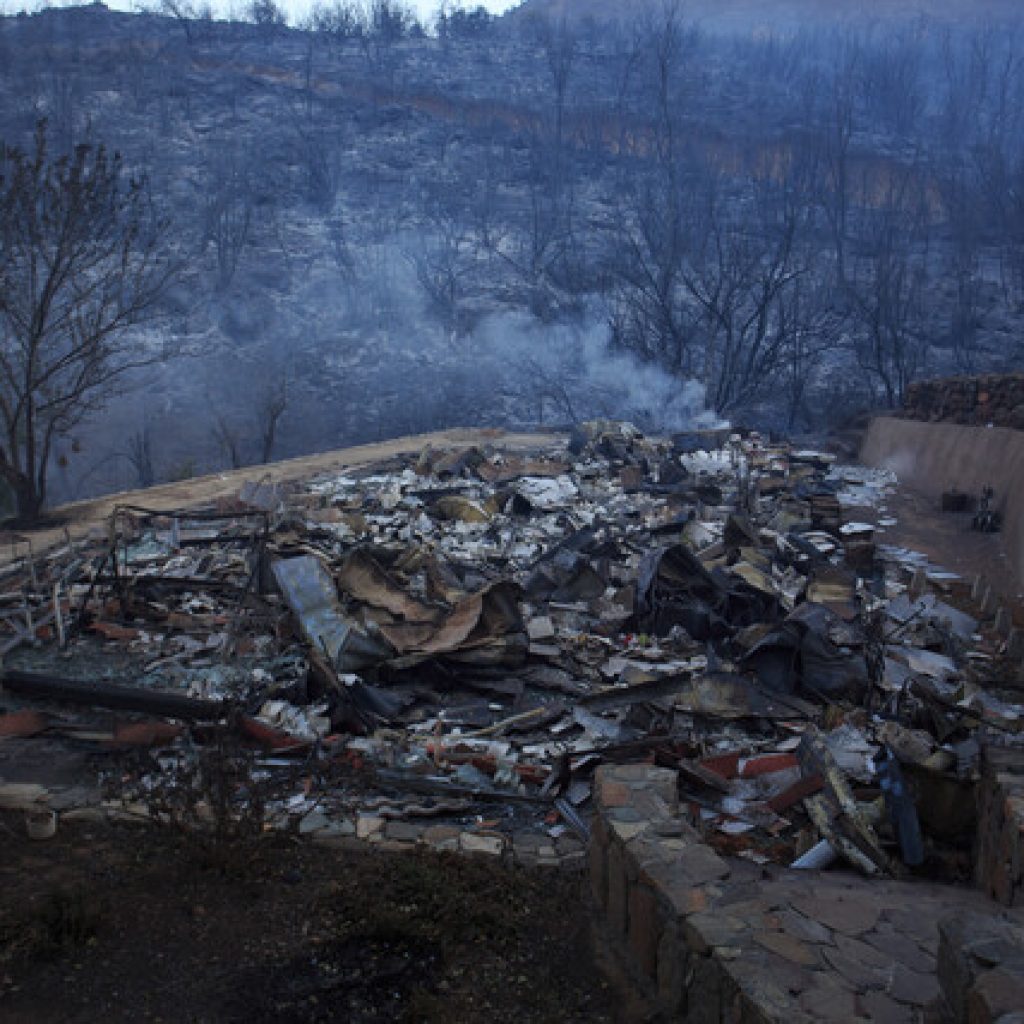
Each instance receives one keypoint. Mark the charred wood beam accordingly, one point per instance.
(176, 583)
(112, 695)
(193, 515)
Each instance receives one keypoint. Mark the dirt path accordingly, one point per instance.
(948, 540)
(83, 517)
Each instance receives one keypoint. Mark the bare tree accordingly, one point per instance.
(337, 20)
(539, 247)
(317, 140)
(963, 203)
(229, 438)
(140, 456)
(892, 82)
(62, 103)
(226, 209)
(443, 261)
(650, 236)
(837, 126)
(887, 291)
(647, 246)
(813, 328)
(81, 263)
(341, 249)
(190, 15)
(266, 15)
(739, 279)
(387, 23)
(454, 22)
(560, 46)
(271, 405)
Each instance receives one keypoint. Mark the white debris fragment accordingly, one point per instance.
(548, 492)
(303, 723)
(861, 486)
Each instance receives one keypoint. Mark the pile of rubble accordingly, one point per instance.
(455, 641)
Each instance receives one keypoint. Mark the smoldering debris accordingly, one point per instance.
(458, 638)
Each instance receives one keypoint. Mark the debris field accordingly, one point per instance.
(441, 649)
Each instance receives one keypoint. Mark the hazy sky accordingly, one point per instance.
(297, 8)
(424, 8)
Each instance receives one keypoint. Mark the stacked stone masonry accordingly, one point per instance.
(1000, 853)
(981, 967)
(970, 401)
(711, 941)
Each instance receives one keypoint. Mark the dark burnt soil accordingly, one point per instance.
(124, 924)
(948, 540)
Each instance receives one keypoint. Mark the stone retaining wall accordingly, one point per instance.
(1000, 853)
(653, 881)
(996, 399)
(981, 965)
(715, 941)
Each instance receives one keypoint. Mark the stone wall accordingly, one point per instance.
(969, 401)
(654, 882)
(981, 967)
(1000, 852)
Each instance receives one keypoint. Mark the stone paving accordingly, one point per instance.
(717, 940)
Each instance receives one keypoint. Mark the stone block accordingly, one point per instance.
(672, 966)
(995, 994)
(575, 861)
(788, 947)
(886, 947)
(999, 864)
(804, 928)
(880, 1009)
(343, 829)
(624, 831)
(441, 837)
(486, 843)
(971, 945)
(617, 891)
(613, 793)
(829, 1000)
(402, 832)
(597, 861)
(644, 932)
(685, 899)
(700, 864)
(848, 915)
(704, 932)
(369, 826)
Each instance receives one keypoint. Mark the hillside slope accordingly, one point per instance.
(763, 15)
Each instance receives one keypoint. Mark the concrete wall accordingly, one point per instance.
(936, 457)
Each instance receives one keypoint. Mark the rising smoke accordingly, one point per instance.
(569, 373)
